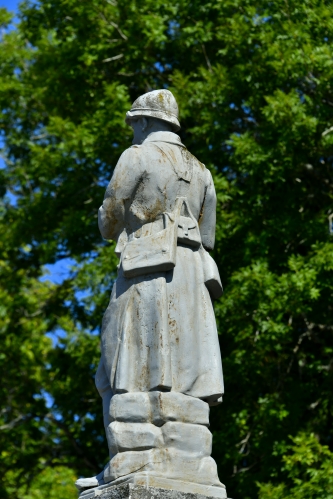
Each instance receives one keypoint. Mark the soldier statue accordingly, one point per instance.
(160, 367)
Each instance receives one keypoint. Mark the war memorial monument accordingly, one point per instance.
(160, 368)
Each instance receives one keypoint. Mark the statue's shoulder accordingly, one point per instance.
(129, 153)
(147, 151)
(129, 162)
(132, 149)
(198, 164)
(200, 171)
(136, 149)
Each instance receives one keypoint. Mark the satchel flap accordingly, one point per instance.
(143, 247)
(186, 223)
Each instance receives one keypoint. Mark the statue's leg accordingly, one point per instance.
(162, 434)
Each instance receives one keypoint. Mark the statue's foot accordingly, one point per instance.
(88, 483)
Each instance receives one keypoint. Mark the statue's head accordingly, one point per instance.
(158, 104)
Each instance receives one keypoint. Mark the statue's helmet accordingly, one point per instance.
(159, 104)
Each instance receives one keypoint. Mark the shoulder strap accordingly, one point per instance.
(185, 180)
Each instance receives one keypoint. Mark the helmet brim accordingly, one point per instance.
(152, 113)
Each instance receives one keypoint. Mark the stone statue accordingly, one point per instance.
(160, 366)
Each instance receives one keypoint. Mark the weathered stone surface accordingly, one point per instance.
(93, 481)
(124, 437)
(169, 463)
(148, 486)
(192, 438)
(159, 331)
(174, 406)
(182, 465)
(130, 407)
(158, 408)
(160, 351)
(126, 463)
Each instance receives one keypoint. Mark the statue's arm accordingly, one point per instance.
(207, 220)
(118, 196)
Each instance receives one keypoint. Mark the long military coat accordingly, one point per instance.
(159, 330)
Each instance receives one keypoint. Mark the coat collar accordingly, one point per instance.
(169, 137)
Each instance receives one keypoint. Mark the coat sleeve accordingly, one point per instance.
(207, 220)
(119, 193)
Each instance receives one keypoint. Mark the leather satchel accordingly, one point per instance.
(188, 229)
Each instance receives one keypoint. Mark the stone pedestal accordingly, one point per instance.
(147, 486)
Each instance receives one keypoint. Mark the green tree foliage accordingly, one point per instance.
(254, 80)
(309, 467)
